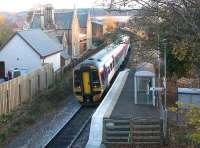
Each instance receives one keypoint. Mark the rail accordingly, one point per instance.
(69, 134)
(79, 132)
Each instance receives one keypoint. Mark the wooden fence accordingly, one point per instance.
(23, 88)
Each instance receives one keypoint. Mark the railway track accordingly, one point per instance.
(69, 135)
(72, 130)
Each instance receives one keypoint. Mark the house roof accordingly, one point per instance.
(194, 91)
(64, 20)
(103, 12)
(82, 18)
(40, 42)
(145, 69)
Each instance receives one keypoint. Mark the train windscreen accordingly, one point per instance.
(95, 78)
(77, 78)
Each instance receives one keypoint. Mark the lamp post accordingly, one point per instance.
(165, 72)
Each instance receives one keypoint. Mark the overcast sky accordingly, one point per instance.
(21, 5)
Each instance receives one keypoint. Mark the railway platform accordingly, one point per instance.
(119, 120)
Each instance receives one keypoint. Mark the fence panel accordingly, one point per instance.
(23, 88)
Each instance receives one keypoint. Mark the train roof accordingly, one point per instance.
(104, 55)
(145, 70)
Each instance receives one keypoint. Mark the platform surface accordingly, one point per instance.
(125, 107)
(96, 127)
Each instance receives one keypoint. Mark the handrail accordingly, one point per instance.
(163, 115)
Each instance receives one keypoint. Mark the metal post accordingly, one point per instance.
(165, 72)
(158, 37)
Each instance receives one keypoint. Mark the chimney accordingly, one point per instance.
(49, 16)
(42, 18)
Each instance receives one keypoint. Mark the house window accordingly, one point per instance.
(2, 69)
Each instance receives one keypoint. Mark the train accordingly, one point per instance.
(93, 76)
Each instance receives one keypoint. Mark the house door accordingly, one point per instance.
(2, 70)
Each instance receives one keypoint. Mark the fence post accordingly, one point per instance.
(53, 76)
(61, 74)
(38, 84)
(20, 95)
(46, 80)
(30, 89)
(7, 103)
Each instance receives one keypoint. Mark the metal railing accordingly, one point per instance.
(163, 114)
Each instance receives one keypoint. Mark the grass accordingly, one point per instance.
(29, 113)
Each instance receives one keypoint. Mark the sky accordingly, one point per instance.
(24, 5)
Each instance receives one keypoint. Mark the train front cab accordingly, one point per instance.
(87, 85)
(144, 79)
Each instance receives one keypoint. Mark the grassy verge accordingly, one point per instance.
(28, 113)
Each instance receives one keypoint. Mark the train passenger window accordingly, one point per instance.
(102, 76)
(111, 67)
(108, 70)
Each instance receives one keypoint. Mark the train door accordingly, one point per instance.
(106, 71)
(144, 96)
(2, 70)
(86, 82)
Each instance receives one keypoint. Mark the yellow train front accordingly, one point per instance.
(88, 87)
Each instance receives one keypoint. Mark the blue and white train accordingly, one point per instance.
(93, 76)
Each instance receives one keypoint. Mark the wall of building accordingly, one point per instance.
(64, 62)
(83, 30)
(83, 46)
(97, 30)
(75, 37)
(60, 32)
(189, 99)
(53, 59)
(89, 33)
(17, 54)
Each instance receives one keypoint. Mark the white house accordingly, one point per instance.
(29, 49)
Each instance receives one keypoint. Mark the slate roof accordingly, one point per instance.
(103, 12)
(40, 42)
(82, 18)
(63, 20)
